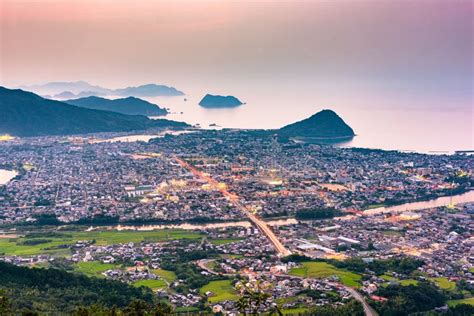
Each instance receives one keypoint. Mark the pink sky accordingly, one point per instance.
(129, 42)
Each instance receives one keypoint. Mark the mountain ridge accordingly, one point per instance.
(148, 90)
(83, 89)
(27, 114)
(128, 105)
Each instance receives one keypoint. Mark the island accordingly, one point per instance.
(148, 90)
(219, 101)
(324, 125)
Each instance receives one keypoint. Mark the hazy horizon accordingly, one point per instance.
(381, 45)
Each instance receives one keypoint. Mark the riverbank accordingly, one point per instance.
(466, 197)
(188, 226)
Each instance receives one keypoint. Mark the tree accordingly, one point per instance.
(162, 309)
(5, 305)
(461, 310)
(255, 298)
(137, 308)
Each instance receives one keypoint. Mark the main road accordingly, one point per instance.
(260, 224)
(368, 310)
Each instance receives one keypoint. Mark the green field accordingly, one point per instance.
(152, 284)
(405, 282)
(57, 245)
(222, 289)
(295, 311)
(94, 268)
(10, 247)
(469, 301)
(168, 276)
(444, 283)
(188, 309)
(321, 270)
(218, 242)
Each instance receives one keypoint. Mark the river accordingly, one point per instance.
(412, 206)
(140, 137)
(187, 226)
(417, 206)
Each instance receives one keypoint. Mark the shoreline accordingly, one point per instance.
(332, 141)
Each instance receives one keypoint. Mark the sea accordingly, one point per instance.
(407, 123)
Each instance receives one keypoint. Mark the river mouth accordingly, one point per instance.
(7, 175)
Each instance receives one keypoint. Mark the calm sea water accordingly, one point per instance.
(404, 123)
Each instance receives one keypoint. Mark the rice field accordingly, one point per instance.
(222, 291)
(93, 268)
(58, 244)
(322, 270)
(152, 284)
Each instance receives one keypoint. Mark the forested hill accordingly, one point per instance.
(27, 114)
(324, 124)
(130, 105)
(57, 291)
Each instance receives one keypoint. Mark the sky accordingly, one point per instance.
(403, 43)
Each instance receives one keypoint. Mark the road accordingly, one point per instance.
(263, 227)
(369, 311)
(260, 224)
(203, 265)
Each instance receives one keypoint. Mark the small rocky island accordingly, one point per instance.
(219, 101)
(324, 125)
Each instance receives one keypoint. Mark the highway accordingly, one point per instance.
(260, 224)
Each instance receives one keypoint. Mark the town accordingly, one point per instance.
(203, 216)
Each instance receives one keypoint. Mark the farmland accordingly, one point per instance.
(57, 244)
(321, 270)
(222, 290)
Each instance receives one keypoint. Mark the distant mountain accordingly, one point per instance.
(63, 95)
(27, 114)
(75, 87)
(148, 90)
(219, 101)
(324, 124)
(84, 89)
(130, 105)
(69, 95)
